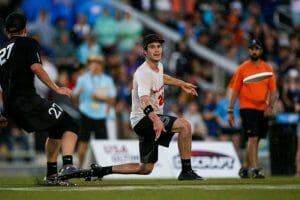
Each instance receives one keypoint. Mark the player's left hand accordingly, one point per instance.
(64, 91)
(189, 88)
(268, 112)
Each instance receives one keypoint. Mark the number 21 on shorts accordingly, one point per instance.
(55, 110)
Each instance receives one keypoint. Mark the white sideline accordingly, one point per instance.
(160, 187)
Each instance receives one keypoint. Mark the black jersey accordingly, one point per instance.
(16, 76)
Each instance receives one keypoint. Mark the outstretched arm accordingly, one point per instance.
(187, 87)
(44, 77)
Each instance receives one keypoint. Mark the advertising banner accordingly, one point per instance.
(209, 159)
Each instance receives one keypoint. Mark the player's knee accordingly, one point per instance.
(146, 169)
(186, 128)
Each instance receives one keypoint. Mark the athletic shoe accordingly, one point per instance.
(70, 171)
(189, 175)
(243, 173)
(96, 173)
(53, 180)
(256, 173)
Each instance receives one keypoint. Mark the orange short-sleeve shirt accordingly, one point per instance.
(253, 95)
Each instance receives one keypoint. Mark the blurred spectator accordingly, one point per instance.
(269, 8)
(123, 105)
(295, 9)
(228, 133)
(63, 51)
(81, 29)
(106, 31)
(180, 61)
(96, 93)
(92, 9)
(130, 31)
(32, 8)
(60, 28)
(183, 7)
(43, 28)
(131, 62)
(63, 9)
(88, 47)
(209, 115)
(194, 117)
(290, 90)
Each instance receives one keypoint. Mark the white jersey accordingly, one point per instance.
(150, 83)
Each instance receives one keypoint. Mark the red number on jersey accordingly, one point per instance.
(161, 99)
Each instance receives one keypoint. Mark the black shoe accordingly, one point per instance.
(256, 173)
(96, 173)
(53, 180)
(189, 175)
(243, 173)
(70, 171)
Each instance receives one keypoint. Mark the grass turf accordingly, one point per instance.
(280, 188)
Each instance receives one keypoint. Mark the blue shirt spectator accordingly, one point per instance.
(89, 84)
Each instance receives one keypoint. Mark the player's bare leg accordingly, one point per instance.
(183, 127)
(52, 147)
(68, 142)
(252, 150)
(82, 149)
(133, 168)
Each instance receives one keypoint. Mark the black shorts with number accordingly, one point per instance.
(147, 145)
(254, 124)
(88, 126)
(33, 113)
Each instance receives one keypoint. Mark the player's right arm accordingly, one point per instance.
(38, 70)
(158, 126)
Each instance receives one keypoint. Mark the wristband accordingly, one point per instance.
(148, 110)
(230, 110)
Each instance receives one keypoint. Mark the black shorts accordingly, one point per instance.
(88, 126)
(147, 145)
(33, 113)
(230, 130)
(254, 124)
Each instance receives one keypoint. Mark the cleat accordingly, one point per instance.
(53, 180)
(70, 171)
(243, 173)
(189, 175)
(96, 173)
(256, 173)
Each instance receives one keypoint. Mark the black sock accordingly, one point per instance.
(51, 168)
(67, 160)
(106, 170)
(186, 164)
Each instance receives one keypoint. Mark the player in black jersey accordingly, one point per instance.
(19, 62)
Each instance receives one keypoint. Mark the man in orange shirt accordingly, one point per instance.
(256, 105)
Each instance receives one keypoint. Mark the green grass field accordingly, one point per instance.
(274, 188)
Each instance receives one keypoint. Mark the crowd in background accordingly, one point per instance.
(69, 31)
